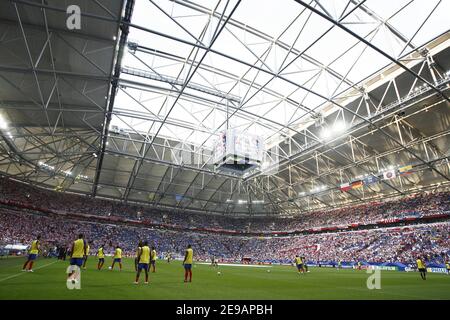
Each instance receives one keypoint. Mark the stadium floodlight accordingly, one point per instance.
(229, 200)
(242, 201)
(326, 133)
(258, 201)
(339, 126)
(3, 123)
(319, 188)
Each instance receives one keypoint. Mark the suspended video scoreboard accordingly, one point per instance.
(238, 153)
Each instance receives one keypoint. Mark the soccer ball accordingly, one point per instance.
(109, 267)
(219, 273)
(268, 270)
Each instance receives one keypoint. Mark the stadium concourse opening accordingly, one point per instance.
(224, 150)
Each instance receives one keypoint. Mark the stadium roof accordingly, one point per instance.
(129, 106)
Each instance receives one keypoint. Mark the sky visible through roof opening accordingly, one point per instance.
(282, 40)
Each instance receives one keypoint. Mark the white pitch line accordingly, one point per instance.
(21, 273)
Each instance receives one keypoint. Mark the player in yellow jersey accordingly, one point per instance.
(117, 258)
(299, 264)
(187, 263)
(339, 264)
(136, 260)
(77, 253)
(143, 261)
(422, 268)
(447, 266)
(358, 265)
(88, 248)
(101, 257)
(153, 259)
(32, 255)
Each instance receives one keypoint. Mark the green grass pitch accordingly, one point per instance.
(282, 282)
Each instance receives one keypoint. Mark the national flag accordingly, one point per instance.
(387, 175)
(370, 179)
(345, 186)
(357, 184)
(405, 169)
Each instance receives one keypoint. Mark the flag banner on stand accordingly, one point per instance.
(389, 175)
(345, 187)
(405, 170)
(357, 184)
(370, 179)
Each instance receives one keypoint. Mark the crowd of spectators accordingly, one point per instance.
(414, 206)
(378, 245)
